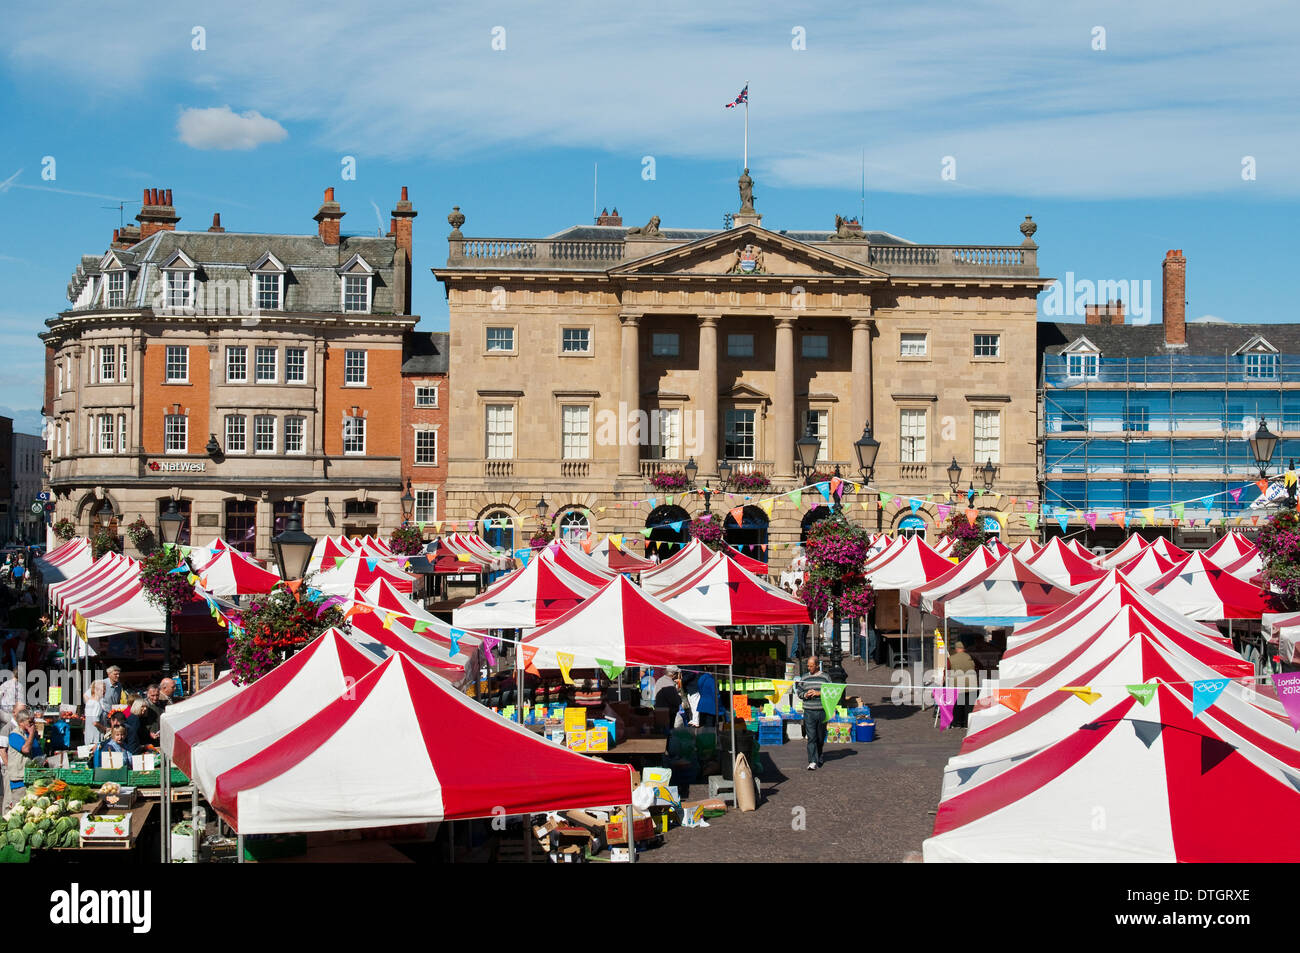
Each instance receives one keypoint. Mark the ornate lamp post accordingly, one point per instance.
(1263, 445)
(954, 474)
(867, 448)
(170, 525)
(293, 547)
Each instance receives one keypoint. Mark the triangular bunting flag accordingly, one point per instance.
(832, 692)
(914, 503)
(611, 670)
(565, 660)
(797, 497)
(530, 652)
(1013, 698)
(1205, 693)
(1091, 520)
(1143, 692)
(1147, 731)
(1082, 692)
(1064, 520)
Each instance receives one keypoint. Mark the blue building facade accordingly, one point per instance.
(1129, 422)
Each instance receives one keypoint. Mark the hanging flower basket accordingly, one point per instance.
(708, 531)
(140, 535)
(65, 528)
(837, 550)
(1279, 545)
(669, 480)
(406, 541)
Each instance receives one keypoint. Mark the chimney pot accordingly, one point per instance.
(404, 198)
(169, 197)
(329, 194)
(216, 223)
(145, 200)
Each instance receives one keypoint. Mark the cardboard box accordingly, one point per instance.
(576, 740)
(106, 826)
(654, 776)
(575, 719)
(597, 739)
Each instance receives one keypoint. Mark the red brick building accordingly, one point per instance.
(424, 419)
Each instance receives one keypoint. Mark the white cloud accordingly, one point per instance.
(1013, 90)
(222, 128)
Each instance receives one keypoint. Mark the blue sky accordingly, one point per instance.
(1122, 131)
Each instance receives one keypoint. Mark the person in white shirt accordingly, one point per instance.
(96, 713)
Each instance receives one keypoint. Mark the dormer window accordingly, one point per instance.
(357, 283)
(1082, 364)
(1082, 360)
(115, 290)
(1259, 359)
(268, 283)
(178, 273)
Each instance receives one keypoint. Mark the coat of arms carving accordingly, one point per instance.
(748, 261)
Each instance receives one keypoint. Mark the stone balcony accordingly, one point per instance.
(1020, 261)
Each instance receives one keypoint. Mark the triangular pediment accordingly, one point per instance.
(746, 252)
(1256, 345)
(742, 391)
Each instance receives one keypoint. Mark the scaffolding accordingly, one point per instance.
(1139, 433)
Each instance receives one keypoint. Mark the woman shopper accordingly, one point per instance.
(96, 713)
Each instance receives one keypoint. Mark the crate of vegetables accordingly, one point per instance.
(101, 828)
(33, 775)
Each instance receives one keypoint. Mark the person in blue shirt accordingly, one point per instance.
(23, 748)
(116, 742)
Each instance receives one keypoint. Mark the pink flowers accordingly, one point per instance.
(669, 480)
(707, 531)
(837, 552)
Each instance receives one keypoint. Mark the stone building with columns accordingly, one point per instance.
(235, 373)
(590, 360)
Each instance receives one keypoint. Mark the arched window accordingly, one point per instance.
(573, 525)
(668, 531)
(499, 530)
(814, 515)
(992, 526)
(749, 536)
(911, 526)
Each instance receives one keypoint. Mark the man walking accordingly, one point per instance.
(814, 718)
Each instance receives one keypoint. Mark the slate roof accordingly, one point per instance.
(312, 284)
(426, 352)
(1148, 340)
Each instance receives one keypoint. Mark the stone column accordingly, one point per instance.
(860, 405)
(707, 458)
(783, 401)
(629, 397)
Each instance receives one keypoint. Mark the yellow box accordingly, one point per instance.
(597, 739)
(576, 740)
(575, 719)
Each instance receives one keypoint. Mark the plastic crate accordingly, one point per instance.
(178, 776)
(79, 775)
(144, 779)
(120, 775)
(771, 735)
(32, 775)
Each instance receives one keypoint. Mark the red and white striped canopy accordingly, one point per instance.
(943, 545)
(193, 707)
(71, 559)
(269, 708)
(384, 635)
(1025, 549)
(382, 595)
(747, 563)
(1123, 652)
(1082, 551)
(358, 572)
(1146, 567)
(402, 747)
(980, 558)
(1132, 783)
(1199, 589)
(1169, 550)
(906, 565)
(1229, 549)
(111, 571)
(1008, 589)
(577, 563)
(478, 549)
(624, 625)
(327, 551)
(1247, 566)
(720, 592)
(1063, 565)
(1125, 551)
(538, 593)
(671, 571)
(231, 573)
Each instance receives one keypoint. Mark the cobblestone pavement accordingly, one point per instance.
(871, 802)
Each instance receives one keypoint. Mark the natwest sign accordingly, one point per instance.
(177, 466)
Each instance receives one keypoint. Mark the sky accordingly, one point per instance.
(1124, 129)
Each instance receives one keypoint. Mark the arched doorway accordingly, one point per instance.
(750, 534)
(668, 531)
(499, 530)
(814, 515)
(911, 526)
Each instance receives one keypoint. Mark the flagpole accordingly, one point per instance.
(746, 165)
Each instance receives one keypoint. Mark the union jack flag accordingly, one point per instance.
(742, 99)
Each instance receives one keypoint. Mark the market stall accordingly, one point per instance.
(1199, 589)
(357, 571)
(1063, 565)
(538, 593)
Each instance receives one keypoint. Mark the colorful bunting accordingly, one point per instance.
(565, 660)
(1143, 692)
(1205, 693)
(1082, 692)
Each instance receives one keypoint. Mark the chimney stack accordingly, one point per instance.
(1112, 312)
(1174, 305)
(403, 221)
(328, 219)
(609, 218)
(157, 213)
(216, 223)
